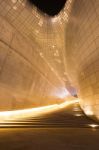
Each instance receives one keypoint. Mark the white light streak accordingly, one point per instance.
(93, 125)
(78, 115)
(20, 114)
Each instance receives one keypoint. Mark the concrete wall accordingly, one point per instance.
(82, 53)
(41, 56)
(26, 78)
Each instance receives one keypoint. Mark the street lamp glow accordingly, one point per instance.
(78, 115)
(93, 125)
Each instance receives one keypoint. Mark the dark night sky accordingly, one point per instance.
(50, 7)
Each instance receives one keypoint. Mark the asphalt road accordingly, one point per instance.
(66, 129)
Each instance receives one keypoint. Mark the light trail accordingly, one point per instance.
(93, 125)
(26, 113)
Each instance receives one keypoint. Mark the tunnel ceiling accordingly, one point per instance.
(51, 7)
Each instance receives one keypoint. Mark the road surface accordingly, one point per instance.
(66, 129)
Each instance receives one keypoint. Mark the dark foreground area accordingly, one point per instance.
(67, 129)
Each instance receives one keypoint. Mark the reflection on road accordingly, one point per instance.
(20, 114)
(65, 115)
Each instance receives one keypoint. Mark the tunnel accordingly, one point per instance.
(48, 56)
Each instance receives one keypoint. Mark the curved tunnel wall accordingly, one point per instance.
(28, 78)
(41, 56)
(23, 81)
(82, 53)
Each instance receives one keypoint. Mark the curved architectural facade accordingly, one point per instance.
(42, 57)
